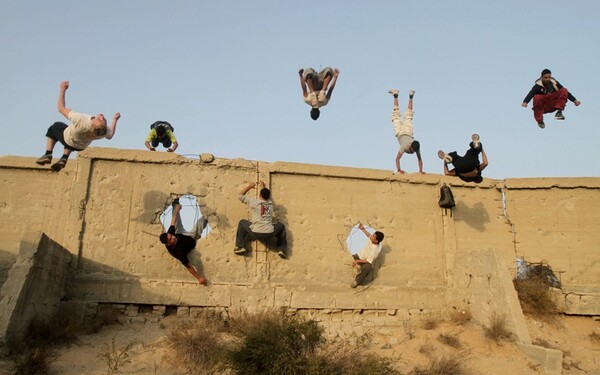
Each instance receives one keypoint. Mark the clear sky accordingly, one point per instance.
(224, 73)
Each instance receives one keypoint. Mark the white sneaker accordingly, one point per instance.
(394, 92)
(442, 155)
(475, 138)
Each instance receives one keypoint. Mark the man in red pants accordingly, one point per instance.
(548, 96)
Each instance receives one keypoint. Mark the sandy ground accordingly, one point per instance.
(407, 347)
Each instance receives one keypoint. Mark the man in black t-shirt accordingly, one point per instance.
(180, 243)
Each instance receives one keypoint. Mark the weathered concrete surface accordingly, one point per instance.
(104, 207)
(34, 288)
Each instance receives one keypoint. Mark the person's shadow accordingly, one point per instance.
(475, 216)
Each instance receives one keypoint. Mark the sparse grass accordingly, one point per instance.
(33, 361)
(431, 323)
(348, 360)
(449, 340)
(115, 357)
(535, 298)
(273, 344)
(195, 346)
(497, 330)
(443, 366)
(37, 351)
(461, 317)
(595, 337)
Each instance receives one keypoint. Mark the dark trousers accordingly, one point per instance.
(467, 163)
(365, 270)
(549, 103)
(244, 233)
(166, 142)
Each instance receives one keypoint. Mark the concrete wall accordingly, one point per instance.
(34, 288)
(104, 207)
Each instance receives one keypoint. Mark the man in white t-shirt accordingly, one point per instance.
(76, 136)
(317, 88)
(365, 258)
(261, 227)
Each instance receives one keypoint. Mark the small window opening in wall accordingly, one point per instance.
(357, 240)
(190, 213)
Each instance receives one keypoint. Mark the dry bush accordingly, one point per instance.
(461, 316)
(273, 343)
(497, 330)
(535, 298)
(443, 366)
(114, 357)
(343, 358)
(195, 345)
(595, 337)
(449, 340)
(431, 323)
(33, 361)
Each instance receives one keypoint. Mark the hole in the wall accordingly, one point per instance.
(190, 213)
(357, 240)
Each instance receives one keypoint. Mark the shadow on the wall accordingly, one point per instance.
(7, 259)
(378, 263)
(476, 216)
(281, 217)
(154, 204)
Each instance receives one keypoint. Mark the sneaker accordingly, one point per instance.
(541, 124)
(411, 93)
(394, 92)
(442, 155)
(45, 159)
(559, 115)
(239, 250)
(60, 164)
(475, 138)
(354, 284)
(282, 254)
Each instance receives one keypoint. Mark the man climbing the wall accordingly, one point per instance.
(317, 88)
(78, 135)
(403, 130)
(548, 96)
(179, 243)
(161, 132)
(467, 167)
(261, 227)
(365, 258)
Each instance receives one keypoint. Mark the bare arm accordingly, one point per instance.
(250, 186)
(149, 146)
(420, 162)
(113, 126)
(303, 82)
(174, 147)
(192, 270)
(448, 172)
(398, 157)
(64, 85)
(176, 210)
(362, 228)
(484, 161)
(336, 72)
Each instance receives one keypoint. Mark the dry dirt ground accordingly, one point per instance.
(413, 345)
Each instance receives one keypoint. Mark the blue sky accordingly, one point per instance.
(224, 73)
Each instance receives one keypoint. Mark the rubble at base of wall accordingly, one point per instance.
(341, 323)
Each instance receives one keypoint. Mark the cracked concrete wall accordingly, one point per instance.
(104, 207)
